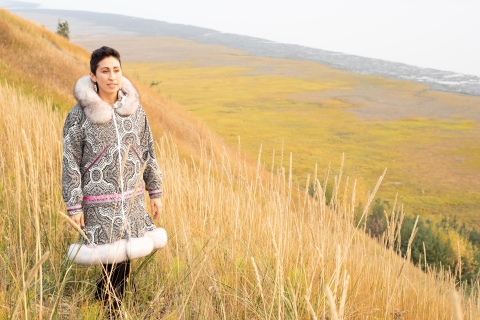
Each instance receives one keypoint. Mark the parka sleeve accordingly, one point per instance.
(152, 175)
(72, 156)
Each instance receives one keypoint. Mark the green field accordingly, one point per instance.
(433, 164)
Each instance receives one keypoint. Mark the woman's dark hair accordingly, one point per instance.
(100, 54)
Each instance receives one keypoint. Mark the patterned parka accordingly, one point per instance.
(108, 164)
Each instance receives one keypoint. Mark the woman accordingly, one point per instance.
(108, 162)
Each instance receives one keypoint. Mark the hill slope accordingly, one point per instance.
(240, 246)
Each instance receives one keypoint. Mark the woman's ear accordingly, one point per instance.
(93, 77)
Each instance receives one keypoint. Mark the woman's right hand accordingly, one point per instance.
(78, 219)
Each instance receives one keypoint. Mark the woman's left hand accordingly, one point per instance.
(156, 205)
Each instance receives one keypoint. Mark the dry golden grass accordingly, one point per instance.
(243, 243)
(38, 61)
(240, 246)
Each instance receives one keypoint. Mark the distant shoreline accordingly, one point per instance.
(85, 22)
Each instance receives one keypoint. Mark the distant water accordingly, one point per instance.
(119, 24)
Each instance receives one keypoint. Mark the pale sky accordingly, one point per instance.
(439, 34)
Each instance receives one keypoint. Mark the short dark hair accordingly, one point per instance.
(100, 54)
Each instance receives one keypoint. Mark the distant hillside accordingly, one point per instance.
(435, 79)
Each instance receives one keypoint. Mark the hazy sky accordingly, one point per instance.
(440, 34)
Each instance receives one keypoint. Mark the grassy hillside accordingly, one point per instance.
(242, 245)
(39, 62)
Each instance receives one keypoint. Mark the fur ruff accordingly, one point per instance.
(97, 110)
(118, 251)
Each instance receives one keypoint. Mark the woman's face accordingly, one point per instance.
(108, 76)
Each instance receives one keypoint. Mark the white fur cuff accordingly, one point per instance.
(118, 251)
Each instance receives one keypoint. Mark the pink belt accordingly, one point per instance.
(112, 197)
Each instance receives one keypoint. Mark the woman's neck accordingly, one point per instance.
(108, 98)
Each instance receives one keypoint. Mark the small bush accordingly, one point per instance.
(63, 29)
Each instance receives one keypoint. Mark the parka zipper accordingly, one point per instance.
(119, 162)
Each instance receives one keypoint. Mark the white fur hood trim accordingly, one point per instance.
(97, 110)
(120, 250)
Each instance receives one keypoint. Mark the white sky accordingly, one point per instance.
(439, 34)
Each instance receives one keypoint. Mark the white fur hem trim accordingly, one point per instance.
(118, 251)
